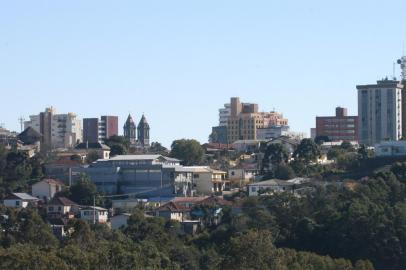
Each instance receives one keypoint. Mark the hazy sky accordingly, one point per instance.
(179, 61)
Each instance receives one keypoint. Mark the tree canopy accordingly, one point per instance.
(190, 152)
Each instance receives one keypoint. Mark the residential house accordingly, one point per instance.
(61, 207)
(208, 181)
(20, 200)
(172, 211)
(94, 214)
(46, 189)
(102, 150)
(119, 221)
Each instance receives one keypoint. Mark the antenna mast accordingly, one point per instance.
(402, 63)
(21, 120)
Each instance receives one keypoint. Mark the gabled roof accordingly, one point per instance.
(62, 201)
(172, 207)
(97, 208)
(29, 136)
(50, 182)
(215, 201)
(21, 196)
(142, 157)
(97, 145)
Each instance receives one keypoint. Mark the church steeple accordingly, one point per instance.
(130, 130)
(143, 132)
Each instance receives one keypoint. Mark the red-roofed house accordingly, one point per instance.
(46, 189)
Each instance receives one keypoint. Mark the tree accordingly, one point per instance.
(321, 139)
(157, 148)
(83, 191)
(119, 145)
(190, 152)
(307, 151)
(347, 146)
(117, 149)
(284, 172)
(275, 154)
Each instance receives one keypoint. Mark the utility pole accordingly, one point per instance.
(94, 209)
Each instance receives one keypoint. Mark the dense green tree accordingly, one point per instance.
(307, 151)
(275, 154)
(190, 152)
(83, 191)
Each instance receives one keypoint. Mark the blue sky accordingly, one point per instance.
(179, 61)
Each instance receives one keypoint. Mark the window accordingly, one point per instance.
(17, 203)
(253, 189)
(51, 208)
(195, 176)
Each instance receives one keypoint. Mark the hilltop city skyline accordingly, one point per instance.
(144, 58)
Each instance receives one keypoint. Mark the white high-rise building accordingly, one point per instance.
(380, 111)
(58, 130)
(224, 114)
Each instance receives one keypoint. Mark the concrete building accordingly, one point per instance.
(224, 114)
(208, 181)
(219, 135)
(46, 189)
(108, 127)
(380, 111)
(91, 130)
(93, 214)
(97, 130)
(245, 120)
(340, 127)
(119, 221)
(391, 149)
(272, 132)
(146, 175)
(57, 130)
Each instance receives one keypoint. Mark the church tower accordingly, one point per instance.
(143, 132)
(130, 130)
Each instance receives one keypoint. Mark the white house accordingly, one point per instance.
(119, 221)
(94, 214)
(19, 200)
(46, 189)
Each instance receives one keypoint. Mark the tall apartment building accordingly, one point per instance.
(380, 111)
(245, 120)
(224, 114)
(58, 130)
(97, 130)
(340, 127)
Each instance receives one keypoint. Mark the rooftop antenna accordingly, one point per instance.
(21, 120)
(394, 71)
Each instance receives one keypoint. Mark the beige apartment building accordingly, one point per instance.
(245, 120)
(58, 130)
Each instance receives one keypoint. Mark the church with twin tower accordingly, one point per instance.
(140, 138)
